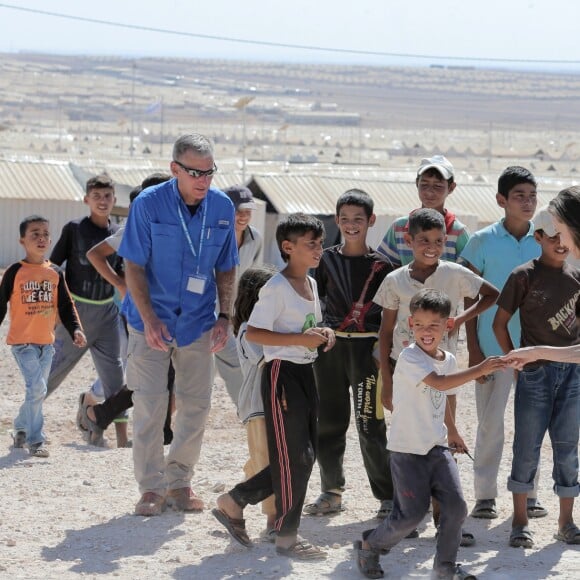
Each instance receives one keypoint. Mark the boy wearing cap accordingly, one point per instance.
(249, 242)
(435, 181)
(545, 291)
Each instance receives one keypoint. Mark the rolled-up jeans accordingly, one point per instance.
(547, 399)
(34, 361)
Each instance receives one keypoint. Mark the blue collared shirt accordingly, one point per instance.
(155, 240)
(495, 253)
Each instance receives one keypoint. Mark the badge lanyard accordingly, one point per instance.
(188, 237)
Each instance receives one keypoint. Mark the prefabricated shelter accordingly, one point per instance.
(47, 189)
(474, 205)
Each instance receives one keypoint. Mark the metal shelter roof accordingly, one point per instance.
(26, 180)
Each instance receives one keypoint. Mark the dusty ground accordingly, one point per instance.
(71, 515)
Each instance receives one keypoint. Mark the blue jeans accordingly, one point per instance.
(547, 399)
(34, 361)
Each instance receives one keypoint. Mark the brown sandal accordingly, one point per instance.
(236, 528)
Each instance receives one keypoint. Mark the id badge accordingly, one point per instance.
(196, 284)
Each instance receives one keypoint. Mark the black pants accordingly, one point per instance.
(350, 364)
(290, 410)
(107, 411)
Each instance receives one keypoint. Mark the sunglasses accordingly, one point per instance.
(197, 173)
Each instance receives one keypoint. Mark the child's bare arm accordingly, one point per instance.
(452, 380)
(488, 295)
(454, 439)
(97, 256)
(500, 328)
(388, 322)
(311, 338)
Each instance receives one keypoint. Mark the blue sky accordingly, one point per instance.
(495, 29)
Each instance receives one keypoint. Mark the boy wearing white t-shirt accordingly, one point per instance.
(422, 464)
(426, 236)
(284, 321)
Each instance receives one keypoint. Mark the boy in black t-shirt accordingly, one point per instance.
(348, 277)
(93, 297)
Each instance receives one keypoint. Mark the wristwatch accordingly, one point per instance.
(224, 315)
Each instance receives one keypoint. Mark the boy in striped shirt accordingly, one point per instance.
(435, 181)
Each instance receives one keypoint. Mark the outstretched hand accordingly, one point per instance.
(492, 364)
(520, 357)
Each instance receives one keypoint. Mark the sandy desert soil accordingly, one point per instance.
(71, 516)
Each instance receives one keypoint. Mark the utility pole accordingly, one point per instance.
(132, 141)
(242, 103)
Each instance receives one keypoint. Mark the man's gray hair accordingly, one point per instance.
(198, 144)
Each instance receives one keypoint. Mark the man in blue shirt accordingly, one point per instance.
(180, 254)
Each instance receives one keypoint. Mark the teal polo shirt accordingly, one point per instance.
(495, 253)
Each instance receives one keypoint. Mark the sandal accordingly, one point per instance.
(302, 550)
(269, 535)
(467, 538)
(326, 503)
(39, 450)
(236, 528)
(570, 534)
(521, 537)
(453, 573)
(535, 509)
(460, 574)
(95, 433)
(385, 510)
(368, 561)
(81, 425)
(484, 509)
(18, 438)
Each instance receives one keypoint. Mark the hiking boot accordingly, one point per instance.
(150, 504)
(19, 439)
(184, 500)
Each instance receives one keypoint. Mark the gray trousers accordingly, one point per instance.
(228, 366)
(147, 378)
(416, 479)
(100, 323)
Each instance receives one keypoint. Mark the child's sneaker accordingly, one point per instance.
(39, 450)
(18, 438)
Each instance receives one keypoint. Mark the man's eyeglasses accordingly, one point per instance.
(197, 173)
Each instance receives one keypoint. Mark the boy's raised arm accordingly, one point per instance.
(97, 256)
(452, 380)
(488, 295)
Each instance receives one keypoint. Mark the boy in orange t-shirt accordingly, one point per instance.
(36, 292)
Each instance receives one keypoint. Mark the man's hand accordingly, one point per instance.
(219, 335)
(157, 335)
